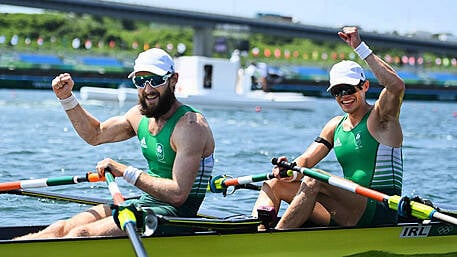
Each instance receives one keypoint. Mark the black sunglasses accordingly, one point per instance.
(345, 89)
(153, 80)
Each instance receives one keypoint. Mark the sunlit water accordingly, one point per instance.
(38, 141)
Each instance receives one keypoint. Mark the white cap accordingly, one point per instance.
(154, 60)
(346, 72)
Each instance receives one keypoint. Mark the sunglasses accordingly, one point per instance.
(345, 89)
(153, 80)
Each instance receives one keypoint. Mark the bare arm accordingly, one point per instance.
(316, 151)
(390, 99)
(384, 122)
(192, 139)
(394, 87)
(94, 132)
(87, 126)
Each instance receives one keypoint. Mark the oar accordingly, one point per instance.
(45, 182)
(126, 216)
(59, 197)
(418, 210)
(220, 183)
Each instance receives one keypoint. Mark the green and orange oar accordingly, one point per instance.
(45, 182)
(394, 202)
(220, 183)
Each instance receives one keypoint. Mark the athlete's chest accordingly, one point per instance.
(155, 126)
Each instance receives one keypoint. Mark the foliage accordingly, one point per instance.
(59, 30)
(125, 38)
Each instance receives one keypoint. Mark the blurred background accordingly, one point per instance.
(294, 41)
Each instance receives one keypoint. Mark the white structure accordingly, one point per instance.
(210, 82)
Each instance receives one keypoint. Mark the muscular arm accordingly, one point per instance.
(87, 126)
(192, 140)
(384, 122)
(390, 99)
(94, 132)
(317, 151)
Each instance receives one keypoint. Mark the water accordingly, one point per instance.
(38, 141)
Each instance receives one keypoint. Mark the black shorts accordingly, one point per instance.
(377, 213)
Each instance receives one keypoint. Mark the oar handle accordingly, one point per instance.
(308, 172)
(93, 177)
(284, 164)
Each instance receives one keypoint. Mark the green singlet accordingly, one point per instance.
(160, 156)
(370, 164)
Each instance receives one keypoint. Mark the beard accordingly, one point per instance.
(165, 102)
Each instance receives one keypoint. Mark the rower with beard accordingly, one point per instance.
(175, 139)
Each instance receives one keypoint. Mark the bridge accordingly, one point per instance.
(204, 23)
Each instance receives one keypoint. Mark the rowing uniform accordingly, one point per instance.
(370, 164)
(160, 156)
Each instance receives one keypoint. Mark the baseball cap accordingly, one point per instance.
(154, 60)
(346, 72)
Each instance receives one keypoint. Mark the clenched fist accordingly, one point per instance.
(62, 85)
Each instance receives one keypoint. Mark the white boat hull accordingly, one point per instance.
(224, 85)
(253, 101)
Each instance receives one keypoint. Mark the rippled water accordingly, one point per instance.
(38, 141)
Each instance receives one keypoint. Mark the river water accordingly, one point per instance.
(38, 141)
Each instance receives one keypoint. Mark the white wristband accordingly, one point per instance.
(132, 174)
(69, 102)
(363, 51)
(294, 177)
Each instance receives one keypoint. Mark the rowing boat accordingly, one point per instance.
(237, 236)
(430, 229)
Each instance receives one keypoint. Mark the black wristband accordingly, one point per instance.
(323, 141)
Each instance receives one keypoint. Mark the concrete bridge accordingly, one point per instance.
(204, 24)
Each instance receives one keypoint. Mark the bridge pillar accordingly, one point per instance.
(203, 41)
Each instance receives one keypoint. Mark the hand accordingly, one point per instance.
(351, 36)
(116, 168)
(62, 85)
(277, 170)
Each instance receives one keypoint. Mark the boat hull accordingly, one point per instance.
(436, 238)
(251, 101)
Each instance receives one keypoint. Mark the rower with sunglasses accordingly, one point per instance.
(175, 139)
(367, 142)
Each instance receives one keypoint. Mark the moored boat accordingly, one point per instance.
(211, 82)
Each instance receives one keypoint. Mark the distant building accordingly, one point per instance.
(421, 35)
(446, 37)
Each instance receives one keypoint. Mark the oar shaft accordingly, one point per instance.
(114, 189)
(247, 179)
(129, 225)
(135, 240)
(244, 180)
(444, 217)
(220, 183)
(418, 210)
(59, 197)
(335, 181)
(348, 185)
(45, 182)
